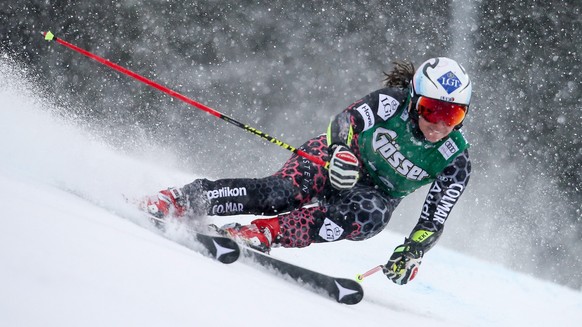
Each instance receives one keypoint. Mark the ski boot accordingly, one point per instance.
(260, 235)
(170, 202)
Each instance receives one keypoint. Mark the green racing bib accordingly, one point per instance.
(400, 163)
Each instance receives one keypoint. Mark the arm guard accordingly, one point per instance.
(341, 128)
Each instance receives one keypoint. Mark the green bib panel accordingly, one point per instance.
(398, 162)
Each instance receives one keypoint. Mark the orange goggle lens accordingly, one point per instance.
(435, 111)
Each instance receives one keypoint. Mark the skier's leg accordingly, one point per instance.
(259, 196)
(295, 184)
(308, 180)
(355, 215)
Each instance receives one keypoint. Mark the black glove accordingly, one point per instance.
(344, 167)
(404, 262)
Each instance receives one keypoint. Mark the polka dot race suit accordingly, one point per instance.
(310, 210)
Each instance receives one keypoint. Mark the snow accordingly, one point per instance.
(74, 253)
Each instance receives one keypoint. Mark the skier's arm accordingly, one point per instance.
(442, 197)
(344, 165)
(361, 115)
(343, 126)
(444, 193)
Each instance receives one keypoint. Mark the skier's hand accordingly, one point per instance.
(344, 168)
(403, 264)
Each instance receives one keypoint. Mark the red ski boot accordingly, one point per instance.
(169, 202)
(260, 235)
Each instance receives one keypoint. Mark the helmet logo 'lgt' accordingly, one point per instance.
(449, 82)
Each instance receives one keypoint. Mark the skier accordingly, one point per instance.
(380, 148)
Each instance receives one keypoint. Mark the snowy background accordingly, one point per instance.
(73, 253)
(75, 135)
(287, 67)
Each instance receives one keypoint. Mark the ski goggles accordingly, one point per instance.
(435, 111)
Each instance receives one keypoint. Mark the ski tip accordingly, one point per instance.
(48, 35)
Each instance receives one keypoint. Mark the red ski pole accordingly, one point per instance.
(50, 37)
(360, 277)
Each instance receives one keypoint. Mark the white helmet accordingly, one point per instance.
(442, 79)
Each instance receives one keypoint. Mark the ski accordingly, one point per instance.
(342, 290)
(227, 250)
(220, 248)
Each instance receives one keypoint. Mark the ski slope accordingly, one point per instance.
(73, 253)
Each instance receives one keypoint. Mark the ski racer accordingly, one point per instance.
(380, 148)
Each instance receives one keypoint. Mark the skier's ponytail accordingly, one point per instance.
(400, 76)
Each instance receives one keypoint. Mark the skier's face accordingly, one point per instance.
(434, 132)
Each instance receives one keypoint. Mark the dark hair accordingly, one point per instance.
(400, 76)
